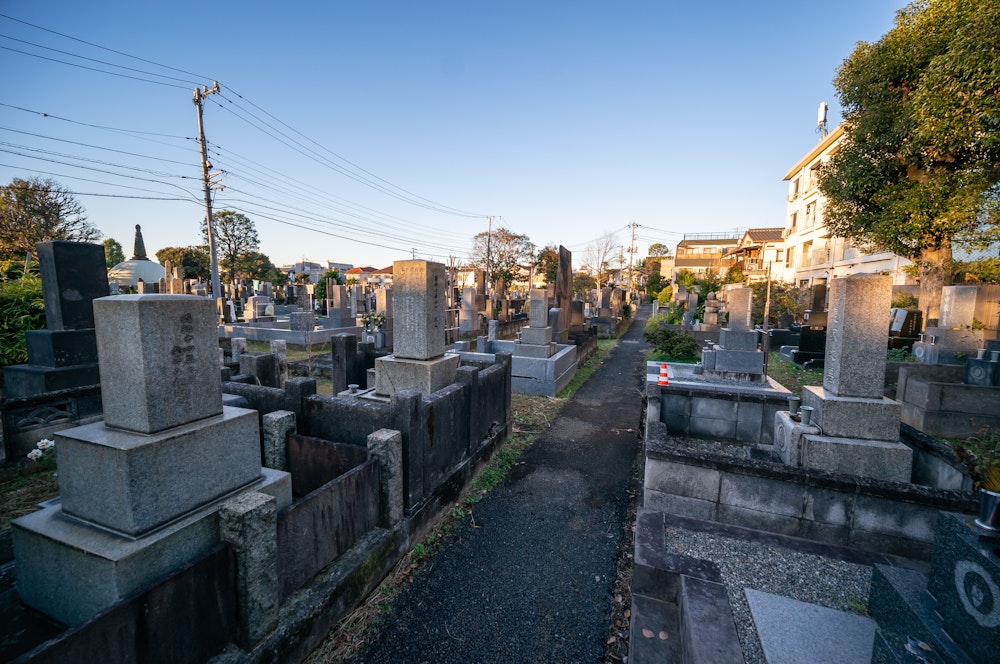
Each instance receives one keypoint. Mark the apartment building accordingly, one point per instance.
(701, 253)
(760, 254)
(812, 255)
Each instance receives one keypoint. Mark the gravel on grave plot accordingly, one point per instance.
(773, 569)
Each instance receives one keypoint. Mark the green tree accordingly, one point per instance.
(685, 277)
(255, 265)
(583, 284)
(658, 249)
(113, 254)
(654, 284)
(39, 210)
(507, 251)
(193, 261)
(334, 274)
(21, 308)
(236, 235)
(547, 262)
(918, 166)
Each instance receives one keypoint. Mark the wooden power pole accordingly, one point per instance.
(206, 178)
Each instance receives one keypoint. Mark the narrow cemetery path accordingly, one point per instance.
(531, 580)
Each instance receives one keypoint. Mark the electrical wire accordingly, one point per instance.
(95, 147)
(102, 71)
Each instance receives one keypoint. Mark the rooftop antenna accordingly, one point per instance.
(821, 125)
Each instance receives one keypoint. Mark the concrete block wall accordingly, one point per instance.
(743, 417)
(886, 517)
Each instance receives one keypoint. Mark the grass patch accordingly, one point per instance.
(791, 375)
(583, 372)
(294, 353)
(20, 494)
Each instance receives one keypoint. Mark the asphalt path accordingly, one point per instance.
(530, 577)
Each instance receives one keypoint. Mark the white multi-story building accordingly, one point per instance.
(812, 255)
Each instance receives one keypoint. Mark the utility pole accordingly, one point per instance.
(489, 237)
(631, 255)
(206, 178)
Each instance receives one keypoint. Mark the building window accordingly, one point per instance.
(794, 221)
(791, 257)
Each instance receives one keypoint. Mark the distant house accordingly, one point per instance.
(370, 276)
(701, 253)
(313, 269)
(812, 255)
(760, 252)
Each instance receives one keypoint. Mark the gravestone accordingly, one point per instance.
(860, 427)
(64, 355)
(468, 316)
(338, 304)
(736, 356)
(952, 340)
(418, 361)
(302, 321)
(535, 340)
(564, 295)
(140, 491)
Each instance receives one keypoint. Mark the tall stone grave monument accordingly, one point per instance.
(468, 316)
(64, 355)
(140, 491)
(338, 305)
(952, 339)
(564, 295)
(418, 361)
(860, 427)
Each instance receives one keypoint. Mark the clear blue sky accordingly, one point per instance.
(566, 119)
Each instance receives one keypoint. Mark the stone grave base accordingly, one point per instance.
(853, 417)
(881, 459)
(26, 380)
(71, 569)
(536, 336)
(115, 478)
(947, 408)
(394, 374)
(541, 351)
(788, 436)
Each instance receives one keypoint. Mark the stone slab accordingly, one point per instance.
(792, 632)
(395, 374)
(133, 483)
(853, 417)
(159, 360)
(26, 380)
(71, 571)
(530, 350)
(881, 459)
(731, 339)
(539, 336)
(61, 348)
(739, 361)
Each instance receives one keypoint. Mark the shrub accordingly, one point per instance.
(671, 345)
(21, 309)
(903, 300)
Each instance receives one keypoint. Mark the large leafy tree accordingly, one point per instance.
(113, 253)
(918, 167)
(38, 210)
(194, 261)
(507, 251)
(547, 262)
(658, 249)
(236, 236)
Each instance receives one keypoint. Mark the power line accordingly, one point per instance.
(82, 179)
(105, 48)
(102, 71)
(102, 62)
(96, 126)
(92, 160)
(95, 147)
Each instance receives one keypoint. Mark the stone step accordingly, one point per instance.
(904, 610)
(654, 634)
(791, 631)
(708, 630)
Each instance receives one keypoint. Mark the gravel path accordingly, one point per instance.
(530, 577)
